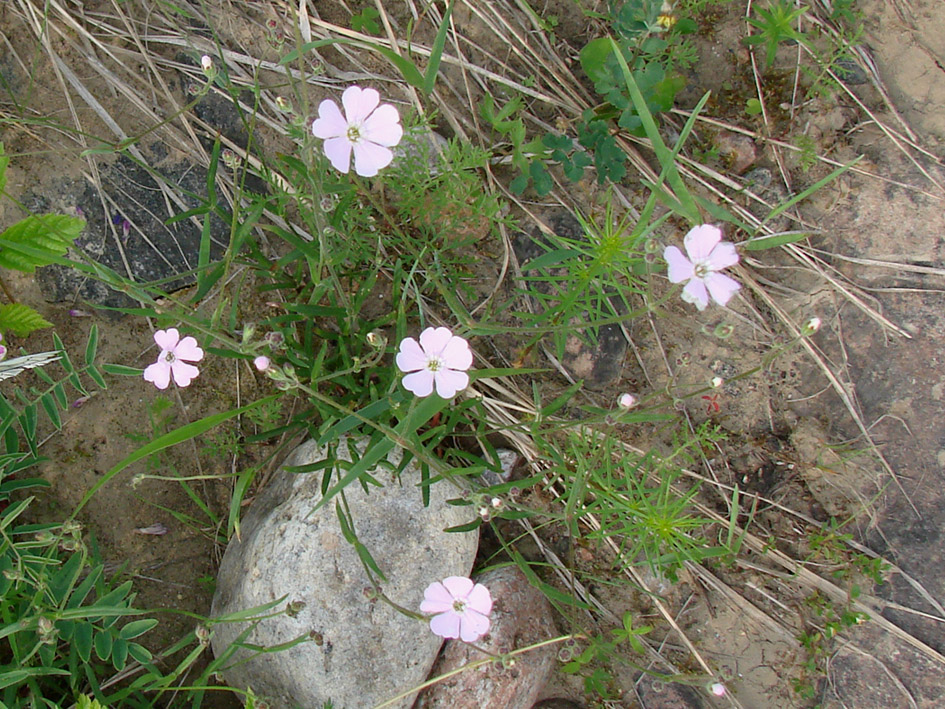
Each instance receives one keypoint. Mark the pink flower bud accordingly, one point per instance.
(261, 363)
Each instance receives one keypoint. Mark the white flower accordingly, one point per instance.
(440, 359)
(708, 255)
(368, 129)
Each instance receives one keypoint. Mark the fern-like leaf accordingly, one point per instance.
(38, 241)
(21, 319)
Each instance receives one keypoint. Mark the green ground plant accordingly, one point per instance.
(356, 265)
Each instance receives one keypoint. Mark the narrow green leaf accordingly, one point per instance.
(436, 51)
(103, 645)
(137, 628)
(96, 377)
(772, 240)
(52, 411)
(121, 370)
(92, 347)
(83, 640)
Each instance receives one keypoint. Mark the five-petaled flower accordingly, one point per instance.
(366, 128)
(440, 359)
(461, 608)
(707, 255)
(175, 354)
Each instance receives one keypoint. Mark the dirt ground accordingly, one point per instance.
(880, 230)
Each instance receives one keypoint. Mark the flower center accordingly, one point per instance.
(459, 606)
(354, 133)
(170, 358)
(701, 269)
(434, 364)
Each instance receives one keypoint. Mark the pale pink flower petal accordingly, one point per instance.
(721, 287)
(473, 626)
(457, 354)
(330, 123)
(480, 599)
(420, 383)
(338, 151)
(411, 356)
(436, 599)
(680, 268)
(167, 339)
(723, 256)
(183, 373)
(700, 241)
(434, 340)
(359, 103)
(446, 625)
(158, 374)
(188, 349)
(449, 382)
(695, 292)
(458, 586)
(383, 127)
(367, 129)
(261, 363)
(370, 158)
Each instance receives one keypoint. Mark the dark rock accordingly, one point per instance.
(557, 703)
(521, 616)
(152, 249)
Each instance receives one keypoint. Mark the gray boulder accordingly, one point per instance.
(359, 650)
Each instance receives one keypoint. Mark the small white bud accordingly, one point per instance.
(717, 382)
(717, 688)
(811, 326)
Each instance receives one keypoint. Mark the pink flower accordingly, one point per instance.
(366, 128)
(708, 255)
(261, 363)
(461, 609)
(3, 350)
(718, 689)
(175, 353)
(626, 401)
(440, 358)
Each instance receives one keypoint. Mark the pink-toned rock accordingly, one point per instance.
(520, 617)
(738, 149)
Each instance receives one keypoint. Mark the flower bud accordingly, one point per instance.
(283, 104)
(206, 63)
(627, 401)
(811, 326)
(717, 382)
(262, 363)
(717, 688)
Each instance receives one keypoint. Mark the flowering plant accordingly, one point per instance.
(461, 608)
(439, 360)
(366, 128)
(707, 255)
(173, 360)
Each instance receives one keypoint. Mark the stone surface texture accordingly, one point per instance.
(521, 616)
(360, 651)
